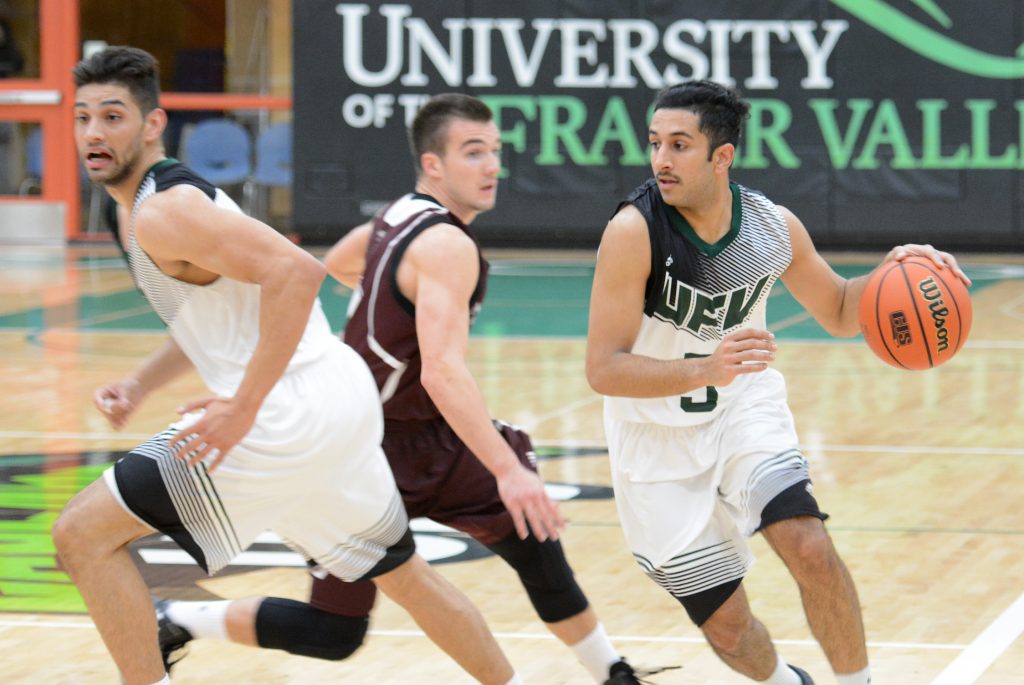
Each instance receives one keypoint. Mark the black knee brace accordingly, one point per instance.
(300, 629)
(545, 574)
(701, 605)
(796, 500)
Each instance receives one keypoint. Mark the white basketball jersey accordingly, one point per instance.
(216, 325)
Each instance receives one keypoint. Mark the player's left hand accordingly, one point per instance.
(522, 492)
(119, 400)
(901, 252)
(222, 426)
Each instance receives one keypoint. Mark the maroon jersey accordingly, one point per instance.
(382, 321)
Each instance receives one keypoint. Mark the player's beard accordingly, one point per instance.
(125, 169)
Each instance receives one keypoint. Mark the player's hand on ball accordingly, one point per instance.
(942, 259)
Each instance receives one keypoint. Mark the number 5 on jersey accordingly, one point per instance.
(711, 401)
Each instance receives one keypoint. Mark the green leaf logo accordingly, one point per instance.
(931, 44)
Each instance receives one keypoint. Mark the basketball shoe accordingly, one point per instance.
(621, 673)
(173, 638)
(804, 678)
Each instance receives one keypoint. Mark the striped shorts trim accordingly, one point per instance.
(178, 500)
(361, 553)
(697, 570)
(766, 481)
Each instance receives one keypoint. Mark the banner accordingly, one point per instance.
(875, 121)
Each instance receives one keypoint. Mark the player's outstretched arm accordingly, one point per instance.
(831, 299)
(190, 237)
(118, 400)
(827, 296)
(440, 271)
(346, 261)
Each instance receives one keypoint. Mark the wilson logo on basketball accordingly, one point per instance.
(900, 328)
(930, 291)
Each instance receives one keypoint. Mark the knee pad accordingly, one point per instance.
(700, 605)
(300, 629)
(545, 574)
(796, 500)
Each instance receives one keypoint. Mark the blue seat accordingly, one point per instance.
(33, 162)
(273, 167)
(274, 156)
(34, 152)
(220, 150)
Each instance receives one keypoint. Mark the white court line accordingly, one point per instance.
(986, 648)
(567, 409)
(792, 320)
(934, 646)
(928, 646)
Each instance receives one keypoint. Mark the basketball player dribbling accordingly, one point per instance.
(702, 443)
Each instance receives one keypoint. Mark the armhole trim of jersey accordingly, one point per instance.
(404, 302)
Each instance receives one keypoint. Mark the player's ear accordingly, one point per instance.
(430, 164)
(723, 156)
(156, 122)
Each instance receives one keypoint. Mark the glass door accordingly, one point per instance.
(39, 171)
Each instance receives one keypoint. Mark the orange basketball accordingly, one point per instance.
(914, 314)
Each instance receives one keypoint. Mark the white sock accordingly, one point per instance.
(596, 653)
(858, 678)
(166, 680)
(783, 675)
(516, 680)
(202, 619)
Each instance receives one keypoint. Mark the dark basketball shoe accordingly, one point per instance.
(621, 673)
(804, 678)
(173, 638)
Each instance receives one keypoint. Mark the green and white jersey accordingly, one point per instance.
(698, 292)
(217, 326)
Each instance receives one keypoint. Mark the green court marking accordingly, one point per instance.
(30, 503)
(538, 299)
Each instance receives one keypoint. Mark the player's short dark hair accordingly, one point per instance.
(721, 110)
(429, 130)
(135, 69)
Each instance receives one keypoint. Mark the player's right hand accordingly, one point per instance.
(522, 492)
(117, 401)
(941, 259)
(748, 350)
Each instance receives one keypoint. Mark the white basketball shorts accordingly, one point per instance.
(311, 469)
(688, 497)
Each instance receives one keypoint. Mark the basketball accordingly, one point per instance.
(914, 314)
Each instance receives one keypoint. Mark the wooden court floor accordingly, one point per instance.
(922, 472)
